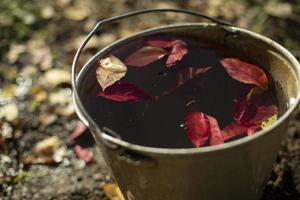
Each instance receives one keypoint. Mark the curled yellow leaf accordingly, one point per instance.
(110, 70)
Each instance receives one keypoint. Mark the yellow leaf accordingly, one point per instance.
(112, 191)
(268, 122)
(111, 69)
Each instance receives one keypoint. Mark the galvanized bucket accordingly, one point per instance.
(235, 170)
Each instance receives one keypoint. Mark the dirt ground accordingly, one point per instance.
(46, 153)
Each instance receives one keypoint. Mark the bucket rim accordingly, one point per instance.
(208, 149)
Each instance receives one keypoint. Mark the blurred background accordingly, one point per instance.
(45, 152)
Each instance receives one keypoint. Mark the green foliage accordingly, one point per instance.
(18, 20)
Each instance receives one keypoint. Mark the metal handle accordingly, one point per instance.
(98, 26)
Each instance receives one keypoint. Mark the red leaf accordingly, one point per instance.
(78, 130)
(165, 44)
(263, 112)
(245, 72)
(198, 129)
(125, 92)
(201, 127)
(216, 135)
(145, 56)
(178, 51)
(233, 130)
(84, 154)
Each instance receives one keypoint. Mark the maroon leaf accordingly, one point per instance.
(233, 130)
(179, 49)
(125, 92)
(201, 127)
(198, 129)
(145, 56)
(165, 44)
(216, 135)
(245, 72)
(186, 74)
(78, 130)
(84, 154)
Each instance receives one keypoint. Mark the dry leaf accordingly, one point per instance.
(112, 191)
(279, 9)
(14, 51)
(47, 119)
(76, 13)
(60, 97)
(111, 69)
(56, 76)
(9, 112)
(47, 146)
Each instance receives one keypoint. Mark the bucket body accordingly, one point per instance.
(235, 170)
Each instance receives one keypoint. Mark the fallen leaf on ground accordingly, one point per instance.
(112, 191)
(245, 72)
(47, 118)
(278, 9)
(56, 76)
(84, 154)
(76, 13)
(47, 146)
(125, 92)
(110, 70)
(14, 51)
(145, 56)
(10, 112)
(60, 97)
(80, 128)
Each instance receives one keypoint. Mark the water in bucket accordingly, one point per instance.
(168, 92)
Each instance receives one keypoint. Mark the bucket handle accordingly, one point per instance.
(80, 109)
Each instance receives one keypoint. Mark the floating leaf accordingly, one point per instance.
(216, 135)
(245, 72)
(198, 129)
(233, 130)
(145, 56)
(186, 74)
(84, 154)
(268, 122)
(201, 127)
(125, 92)
(178, 51)
(111, 69)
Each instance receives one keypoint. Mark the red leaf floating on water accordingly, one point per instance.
(233, 130)
(198, 128)
(165, 44)
(216, 135)
(125, 92)
(179, 49)
(84, 154)
(201, 127)
(250, 111)
(78, 130)
(245, 72)
(145, 56)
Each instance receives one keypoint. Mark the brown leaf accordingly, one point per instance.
(112, 191)
(110, 70)
(145, 56)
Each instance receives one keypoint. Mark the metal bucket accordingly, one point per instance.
(235, 170)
